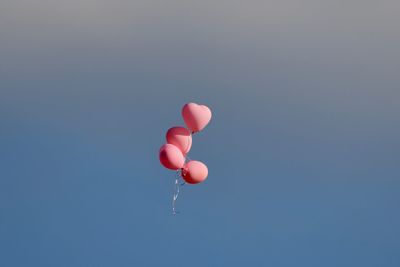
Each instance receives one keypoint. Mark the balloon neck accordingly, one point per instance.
(183, 172)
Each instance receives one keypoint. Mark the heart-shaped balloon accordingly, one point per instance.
(196, 116)
(180, 137)
(194, 172)
(171, 157)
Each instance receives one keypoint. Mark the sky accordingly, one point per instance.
(302, 150)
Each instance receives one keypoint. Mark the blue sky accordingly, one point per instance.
(303, 148)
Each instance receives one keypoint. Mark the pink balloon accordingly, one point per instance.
(194, 172)
(196, 116)
(171, 157)
(180, 137)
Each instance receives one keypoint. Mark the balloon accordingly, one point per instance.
(180, 137)
(194, 172)
(196, 116)
(171, 157)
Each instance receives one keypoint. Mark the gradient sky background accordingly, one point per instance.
(303, 148)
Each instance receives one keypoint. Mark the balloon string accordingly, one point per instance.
(188, 144)
(177, 186)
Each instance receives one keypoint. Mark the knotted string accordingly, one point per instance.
(177, 186)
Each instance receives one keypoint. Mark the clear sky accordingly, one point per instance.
(303, 148)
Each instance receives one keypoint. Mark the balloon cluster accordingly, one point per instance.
(173, 154)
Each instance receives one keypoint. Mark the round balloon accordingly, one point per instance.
(171, 157)
(194, 172)
(196, 116)
(180, 137)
